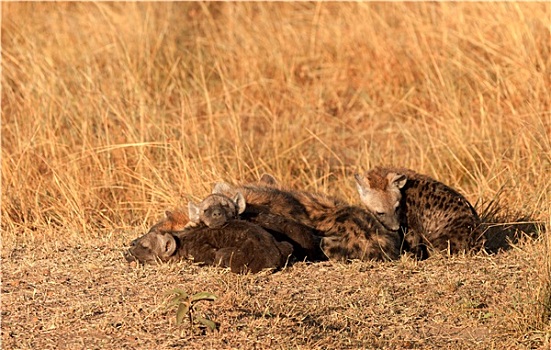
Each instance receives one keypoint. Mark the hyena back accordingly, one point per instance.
(347, 232)
(429, 213)
(305, 207)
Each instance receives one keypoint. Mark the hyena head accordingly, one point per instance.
(217, 209)
(381, 195)
(152, 247)
(158, 244)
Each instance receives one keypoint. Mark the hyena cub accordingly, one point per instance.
(216, 210)
(258, 209)
(427, 212)
(345, 232)
(240, 245)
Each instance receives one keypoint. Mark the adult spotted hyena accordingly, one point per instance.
(240, 245)
(429, 214)
(345, 231)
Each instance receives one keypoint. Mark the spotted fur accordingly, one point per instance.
(429, 214)
(346, 232)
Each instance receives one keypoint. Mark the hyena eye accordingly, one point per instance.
(380, 213)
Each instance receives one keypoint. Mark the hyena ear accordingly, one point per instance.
(240, 203)
(397, 180)
(170, 217)
(178, 219)
(268, 179)
(194, 212)
(221, 188)
(362, 185)
(167, 244)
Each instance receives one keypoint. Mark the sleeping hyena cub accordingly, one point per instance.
(216, 210)
(240, 245)
(427, 212)
(303, 238)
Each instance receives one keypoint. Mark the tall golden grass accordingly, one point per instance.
(113, 112)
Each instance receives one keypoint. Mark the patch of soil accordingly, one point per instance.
(87, 296)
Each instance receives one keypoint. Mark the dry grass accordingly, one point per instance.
(112, 113)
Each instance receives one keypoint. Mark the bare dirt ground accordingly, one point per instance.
(63, 296)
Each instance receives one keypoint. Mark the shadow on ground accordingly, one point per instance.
(502, 227)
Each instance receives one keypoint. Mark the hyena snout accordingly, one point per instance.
(216, 217)
(389, 219)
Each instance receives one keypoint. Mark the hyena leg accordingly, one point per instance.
(303, 238)
(334, 248)
(381, 247)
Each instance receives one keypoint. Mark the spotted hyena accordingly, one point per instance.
(240, 245)
(429, 214)
(216, 210)
(345, 231)
(305, 239)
